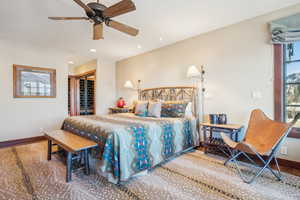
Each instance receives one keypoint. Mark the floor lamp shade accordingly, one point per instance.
(193, 72)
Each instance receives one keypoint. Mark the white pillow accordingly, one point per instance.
(189, 110)
(154, 109)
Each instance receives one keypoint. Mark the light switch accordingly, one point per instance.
(256, 95)
(284, 150)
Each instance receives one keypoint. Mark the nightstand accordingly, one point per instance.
(120, 110)
(210, 140)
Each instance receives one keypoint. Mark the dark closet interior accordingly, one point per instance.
(87, 95)
(81, 94)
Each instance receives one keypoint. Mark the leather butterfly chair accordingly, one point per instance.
(263, 138)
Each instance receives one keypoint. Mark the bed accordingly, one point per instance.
(129, 144)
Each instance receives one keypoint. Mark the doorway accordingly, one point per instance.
(82, 94)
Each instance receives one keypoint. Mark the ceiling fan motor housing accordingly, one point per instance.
(98, 9)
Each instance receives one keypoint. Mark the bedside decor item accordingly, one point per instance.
(34, 82)
(214, 118)
(121, 103)
(218, 118)
(222, 119)
(154, 109)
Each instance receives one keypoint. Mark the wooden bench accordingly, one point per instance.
(73, 145)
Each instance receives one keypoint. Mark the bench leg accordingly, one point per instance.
(69, 167)
(86, 162)
(49, 149)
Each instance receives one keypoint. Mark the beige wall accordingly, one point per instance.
(106, 86)
(89, 66)
(22, 118)
(238, 61)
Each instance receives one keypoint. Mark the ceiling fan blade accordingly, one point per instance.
(68, 18)
(98, 31)
(123, 28)
(85, 7)
(120, 8)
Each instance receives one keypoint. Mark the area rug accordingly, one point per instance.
(26, 174)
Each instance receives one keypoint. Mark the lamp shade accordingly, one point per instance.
(193, 72)
(128, 84)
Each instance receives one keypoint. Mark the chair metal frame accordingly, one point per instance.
(265, 162)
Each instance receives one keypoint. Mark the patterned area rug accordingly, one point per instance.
(26, 174)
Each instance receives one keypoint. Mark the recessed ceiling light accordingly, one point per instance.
(139, 46)
(160, 39)
(93, 50)
(71, 62)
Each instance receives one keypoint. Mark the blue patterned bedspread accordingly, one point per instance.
(129, 144)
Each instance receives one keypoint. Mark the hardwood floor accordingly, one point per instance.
(289, 170)
(23, 141)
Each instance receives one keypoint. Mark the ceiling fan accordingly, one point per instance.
(99, 14)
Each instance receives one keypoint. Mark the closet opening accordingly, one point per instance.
(82, 92)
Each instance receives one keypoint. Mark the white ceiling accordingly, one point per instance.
(171, 20)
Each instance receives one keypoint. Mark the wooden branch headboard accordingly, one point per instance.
(180, 93)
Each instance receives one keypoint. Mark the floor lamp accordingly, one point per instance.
(197, 76)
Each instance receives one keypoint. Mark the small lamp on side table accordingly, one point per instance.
(128, 85)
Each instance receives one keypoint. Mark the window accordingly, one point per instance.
(291, 73)
(32, 82)
(287, 84)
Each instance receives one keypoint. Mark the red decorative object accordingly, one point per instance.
(121, 103)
